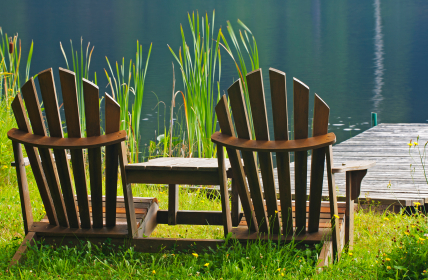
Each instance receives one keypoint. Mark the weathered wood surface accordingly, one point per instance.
(391, 178)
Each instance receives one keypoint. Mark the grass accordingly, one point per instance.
(380, 247)
(198, 64)
(121, 86)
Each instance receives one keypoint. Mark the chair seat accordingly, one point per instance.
(141, 205)
(241, 232)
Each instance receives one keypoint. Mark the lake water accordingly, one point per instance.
(359, 56)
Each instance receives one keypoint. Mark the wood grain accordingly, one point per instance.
(50, 103)
(227, 219)
(240, 117)
(127, 192)
(72, 120)
(274, 146)
(261, 130)
(24, 194)
(320, 127)
(173, 194)
(240, 181)
(280, 125)
(35, 115)
(112, 119)
(92, 115)
(66, 143)
(34, 160)
(333, 203)
(300, 110)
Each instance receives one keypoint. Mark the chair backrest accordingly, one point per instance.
(52, 174)
(264, 217)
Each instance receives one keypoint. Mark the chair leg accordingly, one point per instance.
(224, 193)
(236, 204)
(353, 186)
(172, 204)
(29, 239)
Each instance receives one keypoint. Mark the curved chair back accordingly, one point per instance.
(260, 201)
(52, 172)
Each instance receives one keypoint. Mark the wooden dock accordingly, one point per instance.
(398, 177)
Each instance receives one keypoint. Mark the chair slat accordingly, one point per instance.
(301, 107)
(71, 109)
(320, 127)
(34, 159)
(243, 130)
(280, 125)
(261, 130)
(225, 122)
(224, 193)
(92, 115)
(27, 214)
(112, 118)
(35, 115)
(50, 103)
(333, 203)
(127, 192)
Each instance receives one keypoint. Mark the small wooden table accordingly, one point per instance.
(184, 171)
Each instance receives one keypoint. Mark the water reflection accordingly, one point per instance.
(378, 60)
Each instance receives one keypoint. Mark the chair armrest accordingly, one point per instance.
(274, 146)
(354, 166)
(65, 143)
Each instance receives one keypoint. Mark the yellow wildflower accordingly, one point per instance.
(410, 144)
(350, 254)
(416, 204)
(195, 255)
(202, 201)
(387, 259)
(386, 219)
(282, 274)
(388, 267)
(276, 211)
(337, 217)
(415, 143)
(406, 233)
(421, 239)
(279, 269)
(207, 264)
(154, 271)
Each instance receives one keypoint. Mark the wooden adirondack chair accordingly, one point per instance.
(93, 217)
(307, 221)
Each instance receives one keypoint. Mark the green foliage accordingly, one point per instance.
(10, 60)
(121, 85)
(81, 68)
(250, 47)
(198, 69)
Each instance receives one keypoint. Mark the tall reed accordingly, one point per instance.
(250, 46)
(130, 113)
(10, 59)
(81, 68)
(198, 69)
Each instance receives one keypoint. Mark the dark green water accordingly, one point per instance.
(359, 56)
